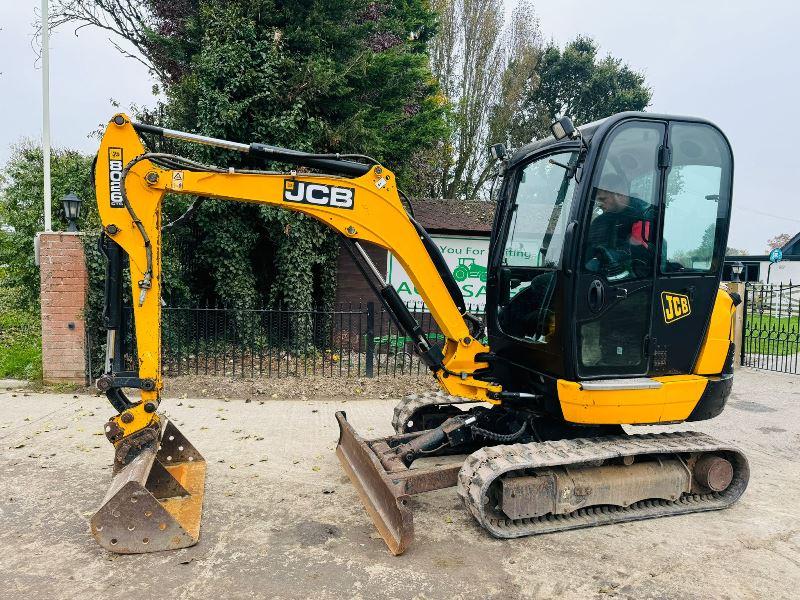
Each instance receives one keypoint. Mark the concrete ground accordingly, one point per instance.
(282, 521)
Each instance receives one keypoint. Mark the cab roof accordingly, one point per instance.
(595, 128)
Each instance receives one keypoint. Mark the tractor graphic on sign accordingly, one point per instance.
(468, 269)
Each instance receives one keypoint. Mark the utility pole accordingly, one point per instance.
(48, 219)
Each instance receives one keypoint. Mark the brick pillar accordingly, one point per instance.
(64, 280)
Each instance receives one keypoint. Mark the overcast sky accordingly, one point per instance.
(733, 62)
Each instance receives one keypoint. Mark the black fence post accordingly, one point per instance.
(370, 358)
(746, 305)
(87, 335)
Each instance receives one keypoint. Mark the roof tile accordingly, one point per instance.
(454, 216)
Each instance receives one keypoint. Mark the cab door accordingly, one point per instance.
(527, 288)
(617, 259)
(696, 215)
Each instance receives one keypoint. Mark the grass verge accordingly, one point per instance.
(20, 345)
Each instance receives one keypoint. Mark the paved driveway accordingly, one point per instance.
(281, 520)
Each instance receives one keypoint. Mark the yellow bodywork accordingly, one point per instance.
(673, 401)
(141, 419)
(719, 337)
(377, 216)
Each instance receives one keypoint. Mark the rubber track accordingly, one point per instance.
(410, 404)
(487, 464)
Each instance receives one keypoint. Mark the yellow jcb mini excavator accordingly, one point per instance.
(604, 309)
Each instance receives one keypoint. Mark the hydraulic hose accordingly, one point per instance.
(499, 437)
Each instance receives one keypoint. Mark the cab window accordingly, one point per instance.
(529, 285)
(541, 212)
(696, 202)
(619, 252)
(620, 242)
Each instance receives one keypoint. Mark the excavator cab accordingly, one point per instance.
(607, 253)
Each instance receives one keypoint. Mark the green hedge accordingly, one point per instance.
(20, 345)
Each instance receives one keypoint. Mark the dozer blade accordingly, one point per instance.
(155, 502)
(386, 500)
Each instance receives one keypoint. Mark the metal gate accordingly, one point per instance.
(770, 338)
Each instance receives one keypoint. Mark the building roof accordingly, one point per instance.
(789, 247)
(454, 216)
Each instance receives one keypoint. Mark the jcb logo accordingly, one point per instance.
(318, 194)
(115, 177)
(675, 306)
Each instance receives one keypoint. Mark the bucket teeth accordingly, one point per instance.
(155, 501)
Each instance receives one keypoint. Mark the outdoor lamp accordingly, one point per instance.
(736, 270)
(72, 210)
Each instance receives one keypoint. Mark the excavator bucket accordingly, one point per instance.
(155, 502)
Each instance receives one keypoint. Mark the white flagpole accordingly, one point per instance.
(48, 220)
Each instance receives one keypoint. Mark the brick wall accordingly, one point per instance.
(64, 281)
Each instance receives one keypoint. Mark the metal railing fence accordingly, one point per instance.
(352, 340)
(770, 337)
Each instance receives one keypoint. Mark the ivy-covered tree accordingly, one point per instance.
(334, 76)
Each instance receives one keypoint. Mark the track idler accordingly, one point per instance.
(155, 501)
